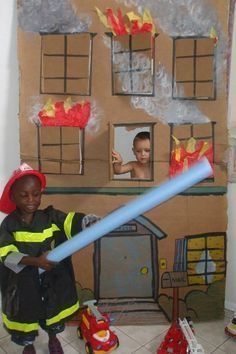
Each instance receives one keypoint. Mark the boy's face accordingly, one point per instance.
(26, 194)
(142, 150)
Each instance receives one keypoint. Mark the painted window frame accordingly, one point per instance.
(136, 125)
(194, 81)
(65, 56)
(221, 261)
(130, 51)
(210, 137)
(59, 165)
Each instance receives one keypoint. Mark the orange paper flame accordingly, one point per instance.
(127, 24)
(65, 114)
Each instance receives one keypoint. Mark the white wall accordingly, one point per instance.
(9, 93)
(9, 127)
(230, 297)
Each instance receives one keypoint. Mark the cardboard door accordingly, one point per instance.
(126, 267)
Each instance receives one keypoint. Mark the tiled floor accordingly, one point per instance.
(135, 339)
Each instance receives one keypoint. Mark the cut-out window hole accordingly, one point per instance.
(132, 151)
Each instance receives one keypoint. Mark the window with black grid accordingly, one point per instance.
(200, 132)
(194, 68)
(60, 150)
(66, 63)
(132, 61)
(206, 258)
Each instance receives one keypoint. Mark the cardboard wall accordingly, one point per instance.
(202, 211)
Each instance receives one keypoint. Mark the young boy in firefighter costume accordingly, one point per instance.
(31, 298)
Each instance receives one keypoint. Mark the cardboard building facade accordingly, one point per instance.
(87, 88)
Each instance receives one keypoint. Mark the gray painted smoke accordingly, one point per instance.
(178, 18)
(51, 16)
(186, 18)
(161, 106)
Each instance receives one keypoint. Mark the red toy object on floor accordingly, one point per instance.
(94, 329)
(180, 339)
(174, 341)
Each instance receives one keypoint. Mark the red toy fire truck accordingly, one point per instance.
(94, 329)
(180, 339)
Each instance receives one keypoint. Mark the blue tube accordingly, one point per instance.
(133, 209)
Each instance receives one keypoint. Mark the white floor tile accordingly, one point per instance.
(41, 344)
(229, 346)
(9, 347)
(68, 349)
(69, 334)
(218, 351)
(208, 348)
(153, 345)
(78, 345)
(127, 344)
(143, 334)
(3, 332)
(212, 332)
(142, 350)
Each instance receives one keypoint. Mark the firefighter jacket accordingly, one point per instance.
(28, 297)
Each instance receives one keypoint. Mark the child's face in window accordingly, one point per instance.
(26, 194)
(142, 150)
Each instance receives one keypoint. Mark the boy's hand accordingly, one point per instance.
(116, 157)
(40, 262)
(44, 263)
(89, 220)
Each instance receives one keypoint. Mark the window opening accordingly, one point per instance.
(132, 151)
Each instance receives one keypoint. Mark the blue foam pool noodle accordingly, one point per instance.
(133, 209)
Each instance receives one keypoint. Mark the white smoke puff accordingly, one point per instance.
(161, 106)
(141, 62)
(179, 112)
(51, 16)
(93, 124)
(35, 107)
(164, 108)
(107, 41)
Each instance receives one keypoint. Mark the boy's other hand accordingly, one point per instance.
(44, 263)
(89, 220)
(116, 157)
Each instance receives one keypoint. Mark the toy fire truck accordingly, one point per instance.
(180, 339)
(94, 329)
